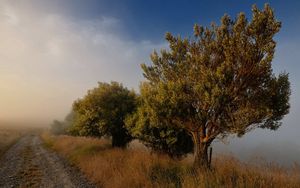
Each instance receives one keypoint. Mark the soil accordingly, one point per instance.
(29, 164)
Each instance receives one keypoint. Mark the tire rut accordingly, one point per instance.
(29, 164)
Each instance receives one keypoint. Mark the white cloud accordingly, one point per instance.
(48, 60)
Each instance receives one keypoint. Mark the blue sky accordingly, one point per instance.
(151, 19)
(51, 52)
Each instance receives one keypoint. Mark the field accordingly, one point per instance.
(8, 136)
(135, 167)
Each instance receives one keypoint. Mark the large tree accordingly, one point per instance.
(103, 111)
(158, 136)
(220, 81)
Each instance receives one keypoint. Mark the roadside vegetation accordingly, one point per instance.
(7, 138)
(135, 167)
(9, 135)
(203, 88)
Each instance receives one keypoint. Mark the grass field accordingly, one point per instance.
(8, 136)
(135, 167)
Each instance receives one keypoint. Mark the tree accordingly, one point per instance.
(220, 81)
(57, 127)
(102, 112)
(63, 127)
(157, 136)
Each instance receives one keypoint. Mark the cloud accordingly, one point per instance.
(48, 59)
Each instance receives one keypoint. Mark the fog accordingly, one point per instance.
(251, 148)
(49, 58)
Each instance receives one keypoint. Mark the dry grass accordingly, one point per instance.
(8, 136)
(113, 168)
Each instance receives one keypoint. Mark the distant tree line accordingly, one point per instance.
(217, 83)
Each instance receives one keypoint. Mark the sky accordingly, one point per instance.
(52, 52)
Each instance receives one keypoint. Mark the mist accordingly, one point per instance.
(49, 58)
(248, 149)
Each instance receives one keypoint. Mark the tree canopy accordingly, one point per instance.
(158, 136)
(103, 111)
(218, 82)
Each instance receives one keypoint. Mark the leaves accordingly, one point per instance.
(158, 136)
(102, 112)
(220, 81)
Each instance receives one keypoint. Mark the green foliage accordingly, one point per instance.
(57, 127)
(218, 82)
(62, 127)
(69, 119)
(102, 112)
(160, 137)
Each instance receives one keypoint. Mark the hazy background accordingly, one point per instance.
(51, 52)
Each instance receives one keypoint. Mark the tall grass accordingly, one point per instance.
(135, 167)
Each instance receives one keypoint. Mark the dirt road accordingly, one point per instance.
(29, 164)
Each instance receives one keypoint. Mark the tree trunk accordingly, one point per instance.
(201, 152)
(120, 139)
